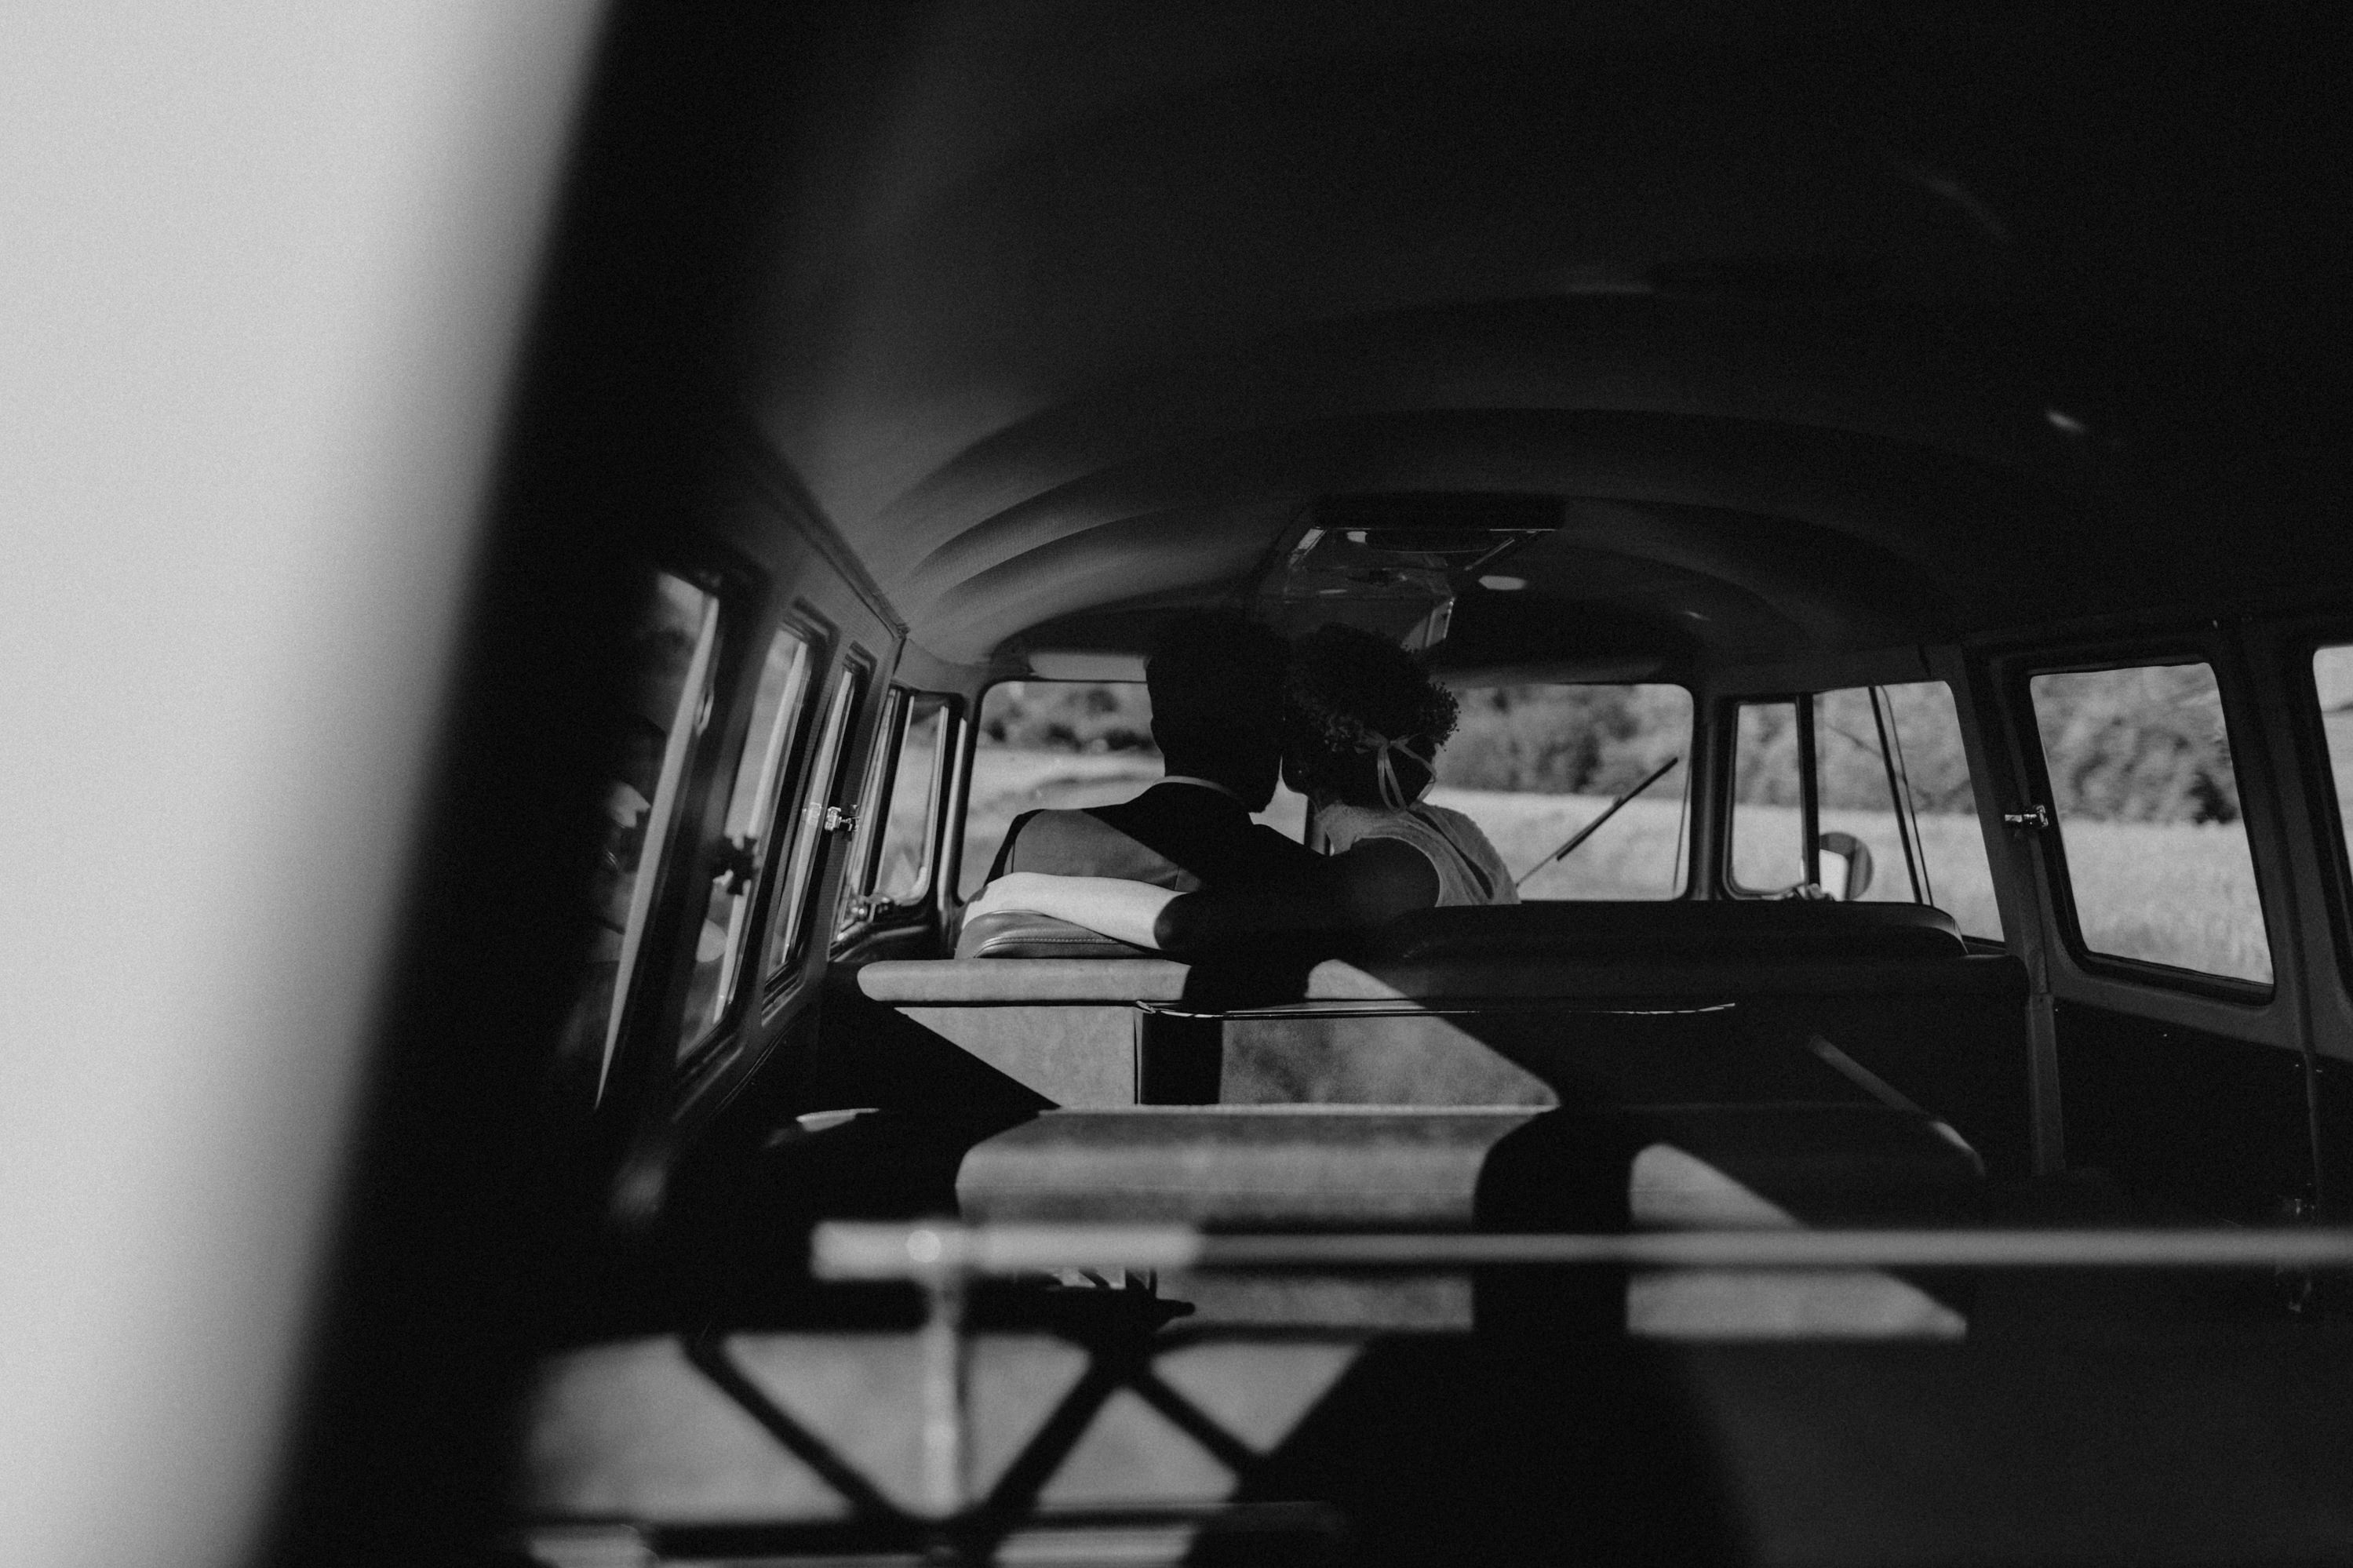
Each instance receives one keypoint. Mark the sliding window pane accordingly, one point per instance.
(759, 770)
(1767, 835)
(2139, 764)
(789, 916)
(904, 876)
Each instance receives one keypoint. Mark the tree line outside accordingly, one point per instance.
(2126, 745)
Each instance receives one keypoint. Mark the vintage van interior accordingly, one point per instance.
(1831, 372)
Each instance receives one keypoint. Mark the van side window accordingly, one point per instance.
(895, 830)
(909, 844)
(1898, 814)
(660, 707)
(1052, 743)
(2140, 774)
(777, 706)
(1940, 803)
(2332, 680)
(1767, 856)
(1533, 765)
(789, 916)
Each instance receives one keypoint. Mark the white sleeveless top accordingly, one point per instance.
(1469, 869)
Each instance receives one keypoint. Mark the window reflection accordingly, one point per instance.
(658, 708)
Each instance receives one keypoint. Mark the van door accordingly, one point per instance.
(2149, 806)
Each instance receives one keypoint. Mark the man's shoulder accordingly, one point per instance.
(1073, 843)
(1166, 802)
(1172, 835)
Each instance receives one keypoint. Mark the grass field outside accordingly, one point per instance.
(2176, 893)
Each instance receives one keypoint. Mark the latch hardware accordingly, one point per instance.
(735, 859)
(839, 818)
(2037, 816)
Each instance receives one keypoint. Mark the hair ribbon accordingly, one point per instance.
(1393, 794)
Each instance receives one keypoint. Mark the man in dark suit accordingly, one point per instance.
(1216, 683)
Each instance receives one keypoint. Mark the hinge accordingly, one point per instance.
(865, 910)
(2297, 1289)
(2037, 816)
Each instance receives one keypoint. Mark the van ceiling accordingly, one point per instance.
(1827, 332)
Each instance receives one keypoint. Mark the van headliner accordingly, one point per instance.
(1829, 332)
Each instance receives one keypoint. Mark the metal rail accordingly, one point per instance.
(944, 1258)
(918, 1252)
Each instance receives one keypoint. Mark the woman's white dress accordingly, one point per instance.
(1469, 869)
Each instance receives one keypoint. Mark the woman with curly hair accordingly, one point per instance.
(1362, 724)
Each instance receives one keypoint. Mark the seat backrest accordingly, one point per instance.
(1758, 929)
(1462, 1167)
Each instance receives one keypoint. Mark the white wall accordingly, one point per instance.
(261, 271)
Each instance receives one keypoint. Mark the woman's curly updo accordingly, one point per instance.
(1347, 690)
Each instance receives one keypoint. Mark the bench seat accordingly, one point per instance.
(1510, 1029)
(1410, 1168)
(1324, 1168)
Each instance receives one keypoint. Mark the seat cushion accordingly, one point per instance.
(1017, 933)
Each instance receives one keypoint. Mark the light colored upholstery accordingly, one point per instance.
(1293, 1166)
(1076, 1054)
(952, 981)
(1067, 1028)
(1339, 1167)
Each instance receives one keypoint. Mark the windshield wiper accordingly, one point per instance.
(1586, 832)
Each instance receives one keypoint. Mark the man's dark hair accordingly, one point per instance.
(1216, 681)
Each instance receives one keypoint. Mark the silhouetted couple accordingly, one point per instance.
(1349, 720)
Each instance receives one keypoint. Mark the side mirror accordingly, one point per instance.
(1852, 878)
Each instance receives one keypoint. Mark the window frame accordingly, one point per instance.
(2307, 737)
(1726, 730)
(2018, 692)
(1732, 885)
(866, 840)
(643, 1056)
(814, 795)
(951, 723)
(874, 803)
(818, 637)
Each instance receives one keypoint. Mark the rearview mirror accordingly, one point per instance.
(1846, 866)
